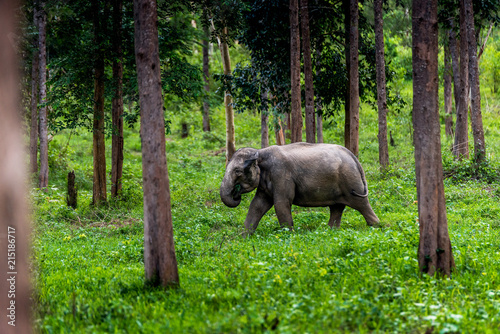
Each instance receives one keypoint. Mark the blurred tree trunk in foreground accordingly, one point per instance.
(14, 227)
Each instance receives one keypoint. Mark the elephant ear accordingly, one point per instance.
(251, 162)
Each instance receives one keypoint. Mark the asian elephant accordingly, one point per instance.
(303, 174)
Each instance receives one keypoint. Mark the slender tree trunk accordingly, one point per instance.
(476, 117)
(434, 251)
(99, 149)
(352, 57)
(159, 253)
(206, 76)
(264, 119)
(480, 53)
(448, 101)
(42, 72)
(309, 86)
(228, 100)
(455, 66)
(72, 198)
(461, 146)
(296, 114)
(383, 147)
(117, 103)
(34, 111)
(319, 106)
(14, 226)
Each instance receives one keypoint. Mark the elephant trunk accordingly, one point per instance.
(228, 195)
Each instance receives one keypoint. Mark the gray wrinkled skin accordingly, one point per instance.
(309, 175)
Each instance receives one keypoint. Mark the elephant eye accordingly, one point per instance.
(238, 172)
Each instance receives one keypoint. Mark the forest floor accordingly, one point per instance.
(88, 262)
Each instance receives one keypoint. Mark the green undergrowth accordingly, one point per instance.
(88, 262)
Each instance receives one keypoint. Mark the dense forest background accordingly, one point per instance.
(244, 73)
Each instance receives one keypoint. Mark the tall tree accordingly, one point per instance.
(34, 103)
(352, 61)
(475, 97)
(296, 113)
(448, 104)
(461, 145)
(228, 100)
(99, 149)
(42, 84)
(117, 102)
(383, 147)
(264, 118)
(206, 74)
(308, 74)
(452, 42)
(434, 251)
(14, 227)
(159, 253)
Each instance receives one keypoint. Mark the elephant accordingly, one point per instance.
(303, 174)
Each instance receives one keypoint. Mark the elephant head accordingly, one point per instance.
(242, 176)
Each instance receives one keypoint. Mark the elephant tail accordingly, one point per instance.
(363, 178)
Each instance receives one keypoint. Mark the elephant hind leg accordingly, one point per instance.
(336, 211)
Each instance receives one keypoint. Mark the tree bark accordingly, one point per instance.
(228, 99)
(14, 226)
(383, 147)
(99, 195)
(434, 252)
(296, 113)
(34, 106)
(476, 117)
(455, 66)
(117, 103)
(308, 74)
(461, 145)
(160, 263)
(448, 101)
(42, 84)
(264, 120)
(206, 74)
(352, 56)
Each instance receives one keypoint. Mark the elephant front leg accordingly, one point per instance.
(261, 203)
(284, 213)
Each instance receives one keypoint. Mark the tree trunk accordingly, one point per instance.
(319, 114)
(455, 66)
(14, 226)
(264, 118)
(476, 118)
(228, 100)
(34, 107)
(160, 263)
(352, 56)
(206, 73)
(296, 113)
(42, 72)
(383, 148)
(72, 199)
(461, 145)
(99, 148)
(309, 86)
(448, 122)
(434, 252)
(117, 103)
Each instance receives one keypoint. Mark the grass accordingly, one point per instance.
(88, 263)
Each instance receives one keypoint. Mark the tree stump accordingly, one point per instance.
(71, 199)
